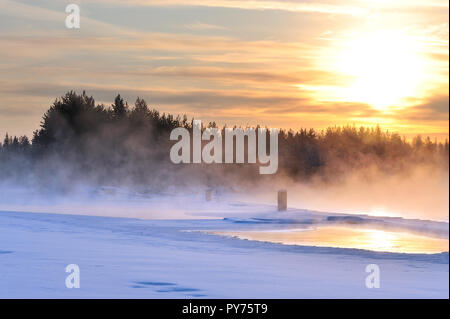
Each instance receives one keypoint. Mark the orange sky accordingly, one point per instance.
(278, 63)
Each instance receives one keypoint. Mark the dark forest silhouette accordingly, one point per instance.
(79, 141)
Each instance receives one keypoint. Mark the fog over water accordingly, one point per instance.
(115, 160)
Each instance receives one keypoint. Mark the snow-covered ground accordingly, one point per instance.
(179, 258)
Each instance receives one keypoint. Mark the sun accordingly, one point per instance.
(384, 68)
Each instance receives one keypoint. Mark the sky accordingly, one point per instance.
(279, 63)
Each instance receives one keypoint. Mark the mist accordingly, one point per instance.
(114, 161)
(418, 193)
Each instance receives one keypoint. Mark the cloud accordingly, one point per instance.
(350, 7)
(199, 26)
(199, 101)
(41, 18)
(435, 109)
(329, 7)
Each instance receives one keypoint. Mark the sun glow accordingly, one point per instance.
(386, 70)
(349, 237)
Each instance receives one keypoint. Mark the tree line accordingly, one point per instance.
(79, 140)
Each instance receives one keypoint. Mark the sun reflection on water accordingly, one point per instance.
(346, 237)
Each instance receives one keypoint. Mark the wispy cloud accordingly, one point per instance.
(199, 26)
(351, 7)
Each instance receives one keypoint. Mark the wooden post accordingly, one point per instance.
(282, 200)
